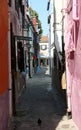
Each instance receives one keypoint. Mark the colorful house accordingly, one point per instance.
(4, 76)
(56, 40)
(73, 58)
(44, 50)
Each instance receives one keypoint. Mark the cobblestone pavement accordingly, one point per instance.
(39, 100)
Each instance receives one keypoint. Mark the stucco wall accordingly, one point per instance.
(4, 111)
(73, 59)
(3, 65)
(76, 86)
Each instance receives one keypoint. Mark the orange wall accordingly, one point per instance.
(3, 46)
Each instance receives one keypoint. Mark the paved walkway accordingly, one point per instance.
(39, 100)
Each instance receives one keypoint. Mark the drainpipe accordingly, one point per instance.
(13, 94)
(68, 89)
(16, 54)
(9, 65)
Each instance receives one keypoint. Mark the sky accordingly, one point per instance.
(40, 6)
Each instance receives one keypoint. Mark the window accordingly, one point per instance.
(43, 47)
(9, 3)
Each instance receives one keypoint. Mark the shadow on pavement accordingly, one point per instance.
(39, 100)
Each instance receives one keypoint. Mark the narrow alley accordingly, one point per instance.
(40, 101)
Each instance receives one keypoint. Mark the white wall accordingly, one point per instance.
(58, 25)
(44, 53)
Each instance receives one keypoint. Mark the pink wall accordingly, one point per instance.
(76, 86)
(73, 59)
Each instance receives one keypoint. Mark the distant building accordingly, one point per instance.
(56, 40)
(44, 50)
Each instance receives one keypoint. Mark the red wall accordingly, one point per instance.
(4, 106)
(3, 46)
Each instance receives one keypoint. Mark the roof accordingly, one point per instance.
(44, 39)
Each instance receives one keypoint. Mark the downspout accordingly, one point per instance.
(75, 18)
(9, 65)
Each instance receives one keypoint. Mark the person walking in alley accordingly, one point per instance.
(37, 69)
(27, 72)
